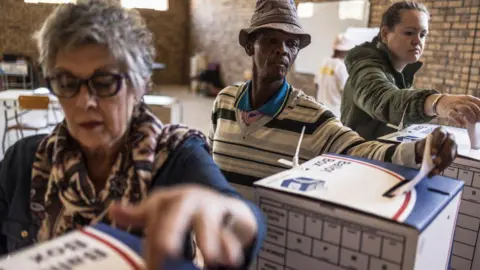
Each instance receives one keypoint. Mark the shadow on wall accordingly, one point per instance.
(163, 57)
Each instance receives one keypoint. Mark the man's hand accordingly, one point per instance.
(223, 226)
(444, 149)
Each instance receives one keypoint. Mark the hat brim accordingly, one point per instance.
(305, 38)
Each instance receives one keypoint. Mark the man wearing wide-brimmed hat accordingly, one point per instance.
(259, 122)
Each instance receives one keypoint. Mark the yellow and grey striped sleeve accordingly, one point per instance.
(340, 139)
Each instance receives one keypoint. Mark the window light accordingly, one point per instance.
(305, 10)
(51, 1)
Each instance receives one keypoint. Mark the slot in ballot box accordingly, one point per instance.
(466, 167)
(98, 247)
(333, 213)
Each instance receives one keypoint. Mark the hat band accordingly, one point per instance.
(276, 19)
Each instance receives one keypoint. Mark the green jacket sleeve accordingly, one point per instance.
(380, 98)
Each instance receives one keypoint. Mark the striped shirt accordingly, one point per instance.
(247, 153)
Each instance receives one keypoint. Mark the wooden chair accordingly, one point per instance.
(26, 103)
(55, 108)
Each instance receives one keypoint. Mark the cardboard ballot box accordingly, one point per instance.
(466, 247)
(332, 213)
(94, 248)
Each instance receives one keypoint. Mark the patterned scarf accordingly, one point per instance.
(63, 197)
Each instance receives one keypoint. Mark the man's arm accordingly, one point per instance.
(342, 140)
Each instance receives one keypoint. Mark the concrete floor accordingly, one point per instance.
(196, 112)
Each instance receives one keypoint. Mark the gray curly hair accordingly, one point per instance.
(103, 22)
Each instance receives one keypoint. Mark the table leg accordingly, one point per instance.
(5, 126)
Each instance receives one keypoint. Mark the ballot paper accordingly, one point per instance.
(425, 169)
(474, 135)
(400, 125)
(294, 163)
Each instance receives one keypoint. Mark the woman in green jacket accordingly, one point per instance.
(379, 93)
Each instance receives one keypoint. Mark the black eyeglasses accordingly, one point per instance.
(100, 84)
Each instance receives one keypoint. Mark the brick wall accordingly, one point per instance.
(452, 56)
(19, 20)
(214, 29)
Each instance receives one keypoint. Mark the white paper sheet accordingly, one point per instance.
(400, 125)
(294, 163)
(425, 169)
(474, 135)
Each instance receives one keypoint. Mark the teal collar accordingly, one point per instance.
(274, 105)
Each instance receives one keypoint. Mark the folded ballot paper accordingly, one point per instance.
(98, 247)
(427, 166)
(474, 135)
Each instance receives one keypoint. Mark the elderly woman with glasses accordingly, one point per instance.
(111, 160)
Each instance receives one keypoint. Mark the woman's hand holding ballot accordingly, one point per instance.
(462, 109)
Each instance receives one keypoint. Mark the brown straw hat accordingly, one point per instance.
(275, 14)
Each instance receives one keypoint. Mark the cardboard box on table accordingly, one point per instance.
(331, 213)
(466, 247)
